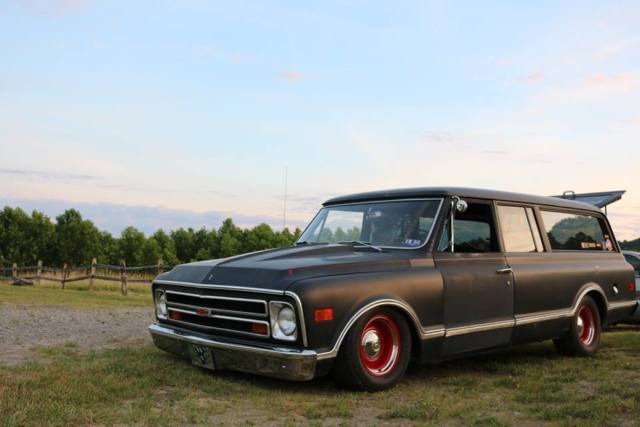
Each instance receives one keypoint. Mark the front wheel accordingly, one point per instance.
(375, 353)
(583, 338)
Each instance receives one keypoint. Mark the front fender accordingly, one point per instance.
(417, 292)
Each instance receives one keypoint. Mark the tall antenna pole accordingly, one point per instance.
(284, 213)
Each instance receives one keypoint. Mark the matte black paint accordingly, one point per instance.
(444, 290)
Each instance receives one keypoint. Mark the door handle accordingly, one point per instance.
(504, 270)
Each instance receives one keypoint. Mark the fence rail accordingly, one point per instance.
(94, 271)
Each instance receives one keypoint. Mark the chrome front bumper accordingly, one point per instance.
(289, 364)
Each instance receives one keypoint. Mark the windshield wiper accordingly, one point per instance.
(306, 242)
(359, 243)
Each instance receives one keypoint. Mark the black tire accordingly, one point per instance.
(359, 369)
(583, 337)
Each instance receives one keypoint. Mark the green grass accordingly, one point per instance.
(77, 296)
(529, 385)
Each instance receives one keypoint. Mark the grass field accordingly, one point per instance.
(530, 385)
(77, 295)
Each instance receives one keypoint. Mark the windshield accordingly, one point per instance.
(396, 224)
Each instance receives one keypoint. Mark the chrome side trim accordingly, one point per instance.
(424, 333)
(622, 304)
(303, 329)
(480, 327)
(221, 310)
(542, 316)
(222, 287)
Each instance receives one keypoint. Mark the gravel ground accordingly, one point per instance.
(25, 328)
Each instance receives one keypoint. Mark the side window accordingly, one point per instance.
(576, 232)
(474, 231)
(519, 229)
(635, 262)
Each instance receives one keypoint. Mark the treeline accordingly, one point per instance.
(25, 239)
(631, 245)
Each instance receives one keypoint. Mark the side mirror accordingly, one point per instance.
(457, 206)
(461, 206)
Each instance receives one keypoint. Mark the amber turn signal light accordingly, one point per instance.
(175, 315)
(259, 328)
(323, 314)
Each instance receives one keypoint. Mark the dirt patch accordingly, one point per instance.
(25, 328)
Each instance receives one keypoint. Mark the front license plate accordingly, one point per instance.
(202, 356)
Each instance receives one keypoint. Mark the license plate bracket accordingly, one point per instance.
(202, 356)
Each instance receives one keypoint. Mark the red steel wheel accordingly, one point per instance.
(586, 325)
(375, 353)
(583, 336)
(380, 345)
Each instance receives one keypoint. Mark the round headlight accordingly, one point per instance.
(161, 305)
(287, 320)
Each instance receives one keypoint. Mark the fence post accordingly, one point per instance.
(93, 273)
(38, 272)
(159, 266)
(14, 271)
(64, 274)
(123, 277)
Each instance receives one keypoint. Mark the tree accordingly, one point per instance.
(77, 240)
(131, 246)
(42, 234)
(15, 243)
(205, 244)
(109, 252)
(167, 248)
(183, 242)
(229, 239)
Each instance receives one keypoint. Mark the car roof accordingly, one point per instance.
(473, 193)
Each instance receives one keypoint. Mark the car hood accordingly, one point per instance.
(278, 268)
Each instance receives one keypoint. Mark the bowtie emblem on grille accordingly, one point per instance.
(204, 312)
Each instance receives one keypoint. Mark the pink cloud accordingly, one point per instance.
(291, 76)
(624, 80)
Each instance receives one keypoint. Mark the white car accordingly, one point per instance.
(633, 258)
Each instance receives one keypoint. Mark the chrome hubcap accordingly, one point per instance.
(580, 325)
(371, 344)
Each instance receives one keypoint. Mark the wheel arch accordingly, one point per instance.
(594, 291)
(398, 305)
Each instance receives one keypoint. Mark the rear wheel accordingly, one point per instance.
(583, 338)
(375, 353)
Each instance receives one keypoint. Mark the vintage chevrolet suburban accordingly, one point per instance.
(383, 278)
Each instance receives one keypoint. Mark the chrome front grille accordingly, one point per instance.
(244, 316)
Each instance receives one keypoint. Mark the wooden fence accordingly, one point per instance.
(67, 274)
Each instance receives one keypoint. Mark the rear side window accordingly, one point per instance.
(519, 229)
(576, 232)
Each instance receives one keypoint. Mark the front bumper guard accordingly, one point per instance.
(284, 363)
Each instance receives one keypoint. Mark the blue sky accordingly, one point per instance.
(181, 112)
